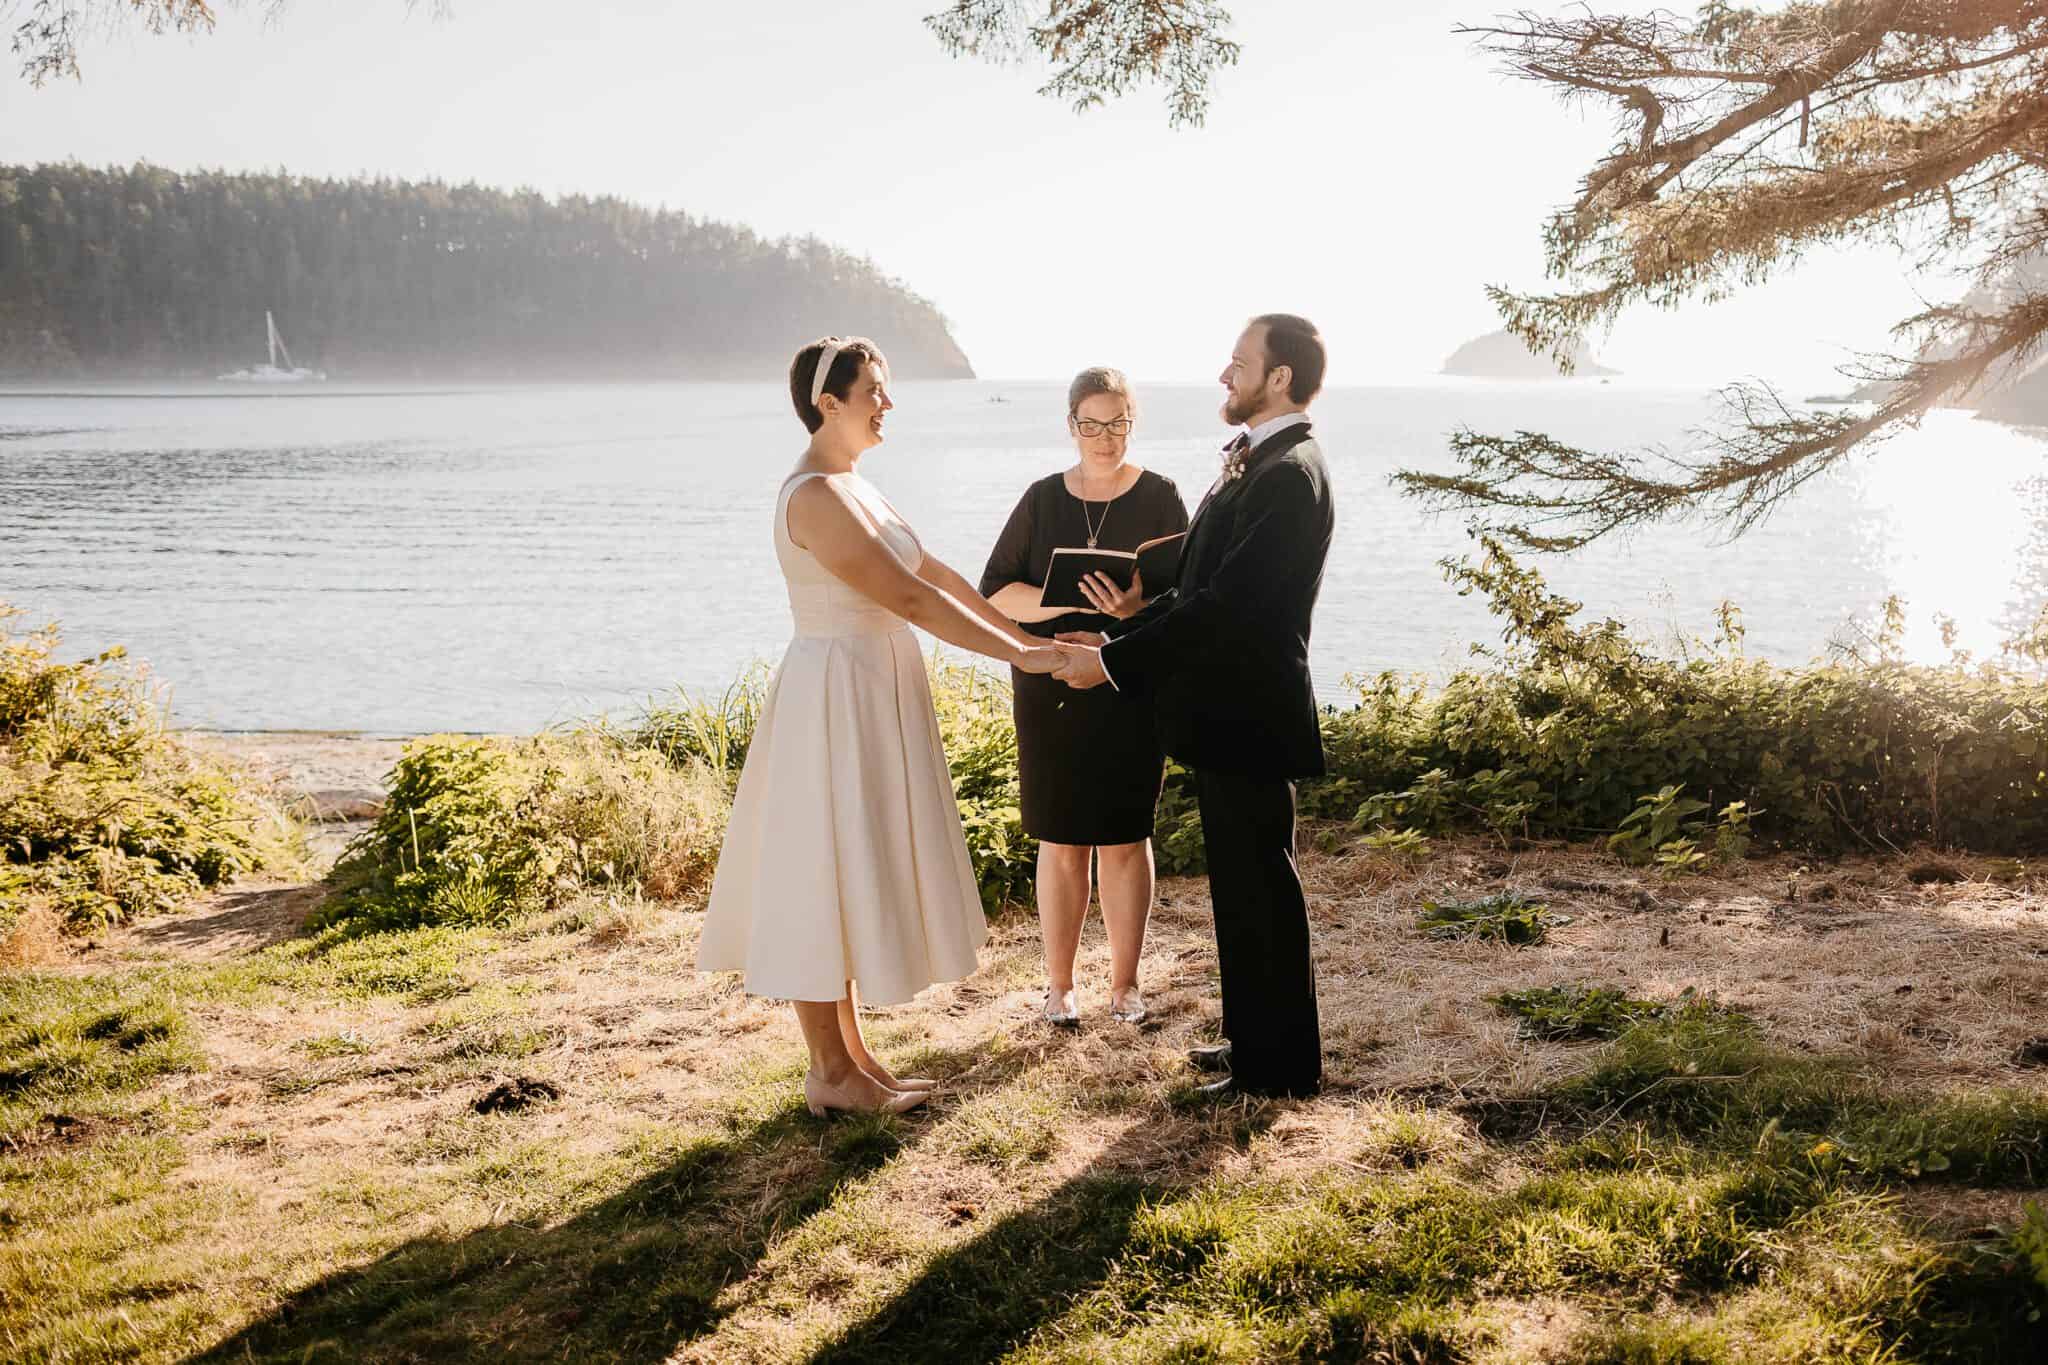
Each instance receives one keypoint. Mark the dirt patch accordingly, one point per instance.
(1965, 1214)
(234, 923)
(62, 1131)
(509, 1097)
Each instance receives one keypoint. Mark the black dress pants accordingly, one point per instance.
(1262, 947)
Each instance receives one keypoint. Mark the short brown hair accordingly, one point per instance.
(855, 354)
(1294, 342)
(1100, 379)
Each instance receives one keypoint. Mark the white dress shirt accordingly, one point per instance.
(1271, 425)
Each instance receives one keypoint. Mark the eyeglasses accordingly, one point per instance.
(1089, 427)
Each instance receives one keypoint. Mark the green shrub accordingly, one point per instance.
(1583, 721)
(981, 752)
(2030, 1243)
(479, 831)
(104, 815)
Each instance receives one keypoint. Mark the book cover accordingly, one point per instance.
(1157, 560)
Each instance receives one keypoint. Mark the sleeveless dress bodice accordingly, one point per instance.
(822, 606)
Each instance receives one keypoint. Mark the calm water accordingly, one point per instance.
(500, 560)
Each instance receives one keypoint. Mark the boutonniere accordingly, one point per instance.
(1234, 456)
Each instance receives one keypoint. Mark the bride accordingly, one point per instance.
(845, 872)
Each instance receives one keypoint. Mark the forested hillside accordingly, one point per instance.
(147, 271)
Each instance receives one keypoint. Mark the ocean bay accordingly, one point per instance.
(398, 561)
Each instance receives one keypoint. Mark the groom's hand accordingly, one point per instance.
(1080, 667)
(1094, 639)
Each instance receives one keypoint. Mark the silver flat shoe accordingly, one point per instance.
(1131, 1011)
(1058, 1017)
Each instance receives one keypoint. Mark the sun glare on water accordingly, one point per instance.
(1966, 537)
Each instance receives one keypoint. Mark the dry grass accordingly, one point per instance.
(675, 1202)
(34, 939)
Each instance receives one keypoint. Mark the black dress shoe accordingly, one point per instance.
(1230, 1088)
(1216, 1058)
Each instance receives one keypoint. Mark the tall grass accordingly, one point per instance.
(686, 729)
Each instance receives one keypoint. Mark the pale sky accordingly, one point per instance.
(1362, 165)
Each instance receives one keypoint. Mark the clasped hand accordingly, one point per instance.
(1080, 665)
(1075, 658)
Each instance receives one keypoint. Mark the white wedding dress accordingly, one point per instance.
(844, 858)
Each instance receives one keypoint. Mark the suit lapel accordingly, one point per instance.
(1279, 443)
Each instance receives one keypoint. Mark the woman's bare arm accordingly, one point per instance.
(824, 520)
(947, 579)
(1019, 602)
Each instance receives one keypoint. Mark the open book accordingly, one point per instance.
(1157, 561)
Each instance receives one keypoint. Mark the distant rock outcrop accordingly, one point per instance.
(1502, 355)
(2016, 394)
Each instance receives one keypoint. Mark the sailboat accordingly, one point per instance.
(273, 373)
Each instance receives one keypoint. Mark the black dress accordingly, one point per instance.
(1089, 763)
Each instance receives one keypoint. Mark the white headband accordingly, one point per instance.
(825, 359)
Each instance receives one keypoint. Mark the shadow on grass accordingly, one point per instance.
(986, 1297)
(631, 1278)
(242, 922)
(641, 1274)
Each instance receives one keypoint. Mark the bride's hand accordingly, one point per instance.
(1094, 639)
(1037, 659)
(1103, 594)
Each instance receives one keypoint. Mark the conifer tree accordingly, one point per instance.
(1745, 138)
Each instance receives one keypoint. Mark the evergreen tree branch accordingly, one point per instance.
(1100, 49)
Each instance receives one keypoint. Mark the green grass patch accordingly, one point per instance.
(1579, 1013)
(418, 965)
(1706, 1073)
(1505, 917)
(80, 1041)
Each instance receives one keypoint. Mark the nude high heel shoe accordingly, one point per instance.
(824, 1102)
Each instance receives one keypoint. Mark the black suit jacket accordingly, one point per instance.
(1224, 654)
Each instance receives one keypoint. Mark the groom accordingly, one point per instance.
(1225, 656)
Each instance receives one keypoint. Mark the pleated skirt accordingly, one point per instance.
(844, 859)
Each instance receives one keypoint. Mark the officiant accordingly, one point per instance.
(1089, 763)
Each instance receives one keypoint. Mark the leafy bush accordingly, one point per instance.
(1500, 800)
(1402, 845)
(103, 815)
(479, 831)
(1583, 721)
(1177, 848)
(1660, 826)
(2030, 1242)
(981, 751)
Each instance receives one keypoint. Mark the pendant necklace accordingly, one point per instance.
(1094, 526)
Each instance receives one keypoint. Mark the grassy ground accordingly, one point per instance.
(222, 1137)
